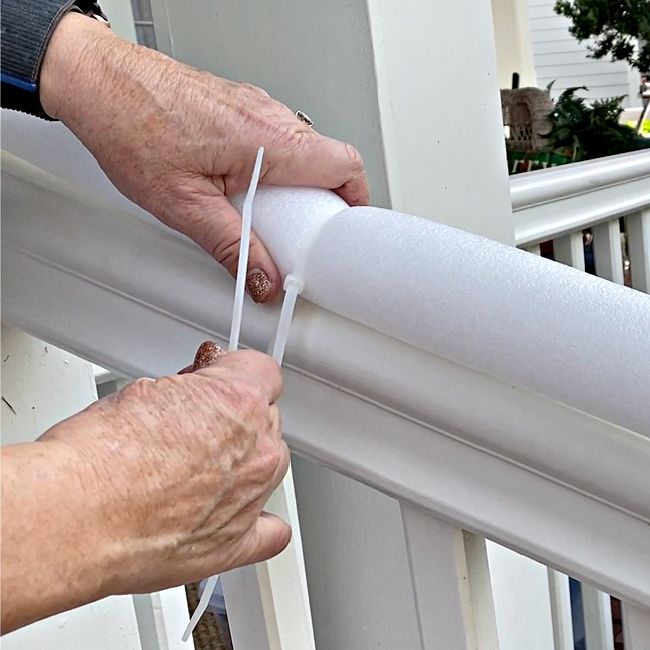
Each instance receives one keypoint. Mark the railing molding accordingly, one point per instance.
(504, 468)
(565, 199)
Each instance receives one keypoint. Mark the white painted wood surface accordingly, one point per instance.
(568, 198)
(638, 232)
(561, 610)
(569, 250)
(440, 579)
(42, 385)
(162, 618)
(597, 609)
(342, 404)
(608, 256)
(636, 627)
(522, 603)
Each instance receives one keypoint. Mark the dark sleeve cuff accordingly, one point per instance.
(27, 26)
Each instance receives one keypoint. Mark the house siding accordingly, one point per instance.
(558, 56)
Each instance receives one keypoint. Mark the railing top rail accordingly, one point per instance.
(555, 201)
(488, 456)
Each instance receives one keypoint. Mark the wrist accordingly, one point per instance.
(70, 62)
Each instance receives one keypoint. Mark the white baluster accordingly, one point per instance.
(558, 584)
(607, 251)
(636, 627)
(439, 575)
(569, 250)
(273, 598)
(535, 249)
(597, 609)
(638, 235)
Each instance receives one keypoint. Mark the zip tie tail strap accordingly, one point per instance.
(235, 329)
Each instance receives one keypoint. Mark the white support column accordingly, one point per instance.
(440, 580)
(535, 249)
(522, 601)
(638, 237)
(558, 584)
(162, 618)
(636, 627)
(597, 608)
(608, 256)
(569, 250)
(513, 42)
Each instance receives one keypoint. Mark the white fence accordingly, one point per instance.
(562, 486)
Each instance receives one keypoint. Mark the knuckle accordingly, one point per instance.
(354, 157)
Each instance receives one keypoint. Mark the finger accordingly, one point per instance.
(215, 225)
(319, 161)
(268, 537)
(252, 367)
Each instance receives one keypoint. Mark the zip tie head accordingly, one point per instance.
(291, 281)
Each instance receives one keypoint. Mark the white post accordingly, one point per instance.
(597, 608)
(561, 610)
(522, 602)
(535, 249)
(569, 250)
(636, 627)
(608, 256)
(638, 237)
(513, 42)
(440, 580)
(431, 145)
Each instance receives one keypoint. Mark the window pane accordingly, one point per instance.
(142, 9)
(146, 35)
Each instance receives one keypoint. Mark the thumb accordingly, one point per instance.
(268, 537)
(215, 225)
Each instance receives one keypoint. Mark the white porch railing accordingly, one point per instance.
(93, 275)
(558, 204)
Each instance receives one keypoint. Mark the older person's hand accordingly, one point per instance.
(160, 484)
(178, 141)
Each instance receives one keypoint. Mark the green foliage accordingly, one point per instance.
(590, 131)
(615, 27)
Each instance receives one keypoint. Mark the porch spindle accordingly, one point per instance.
(638, 233)
(597, 607)
(561, 610)
(439, 576)
(636, 627)
(569, 250)
(607, 251)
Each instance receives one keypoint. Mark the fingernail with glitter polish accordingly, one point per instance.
(207, 354)
(258, 285)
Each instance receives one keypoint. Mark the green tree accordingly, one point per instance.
(620, 28)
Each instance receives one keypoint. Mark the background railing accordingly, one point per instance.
(609, 197)
(593, 216)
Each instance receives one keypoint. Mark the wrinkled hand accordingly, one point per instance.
(183, 466)
(178, 141)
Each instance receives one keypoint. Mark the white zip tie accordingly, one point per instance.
(244, 245)
(235, 329)
(293, 287)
